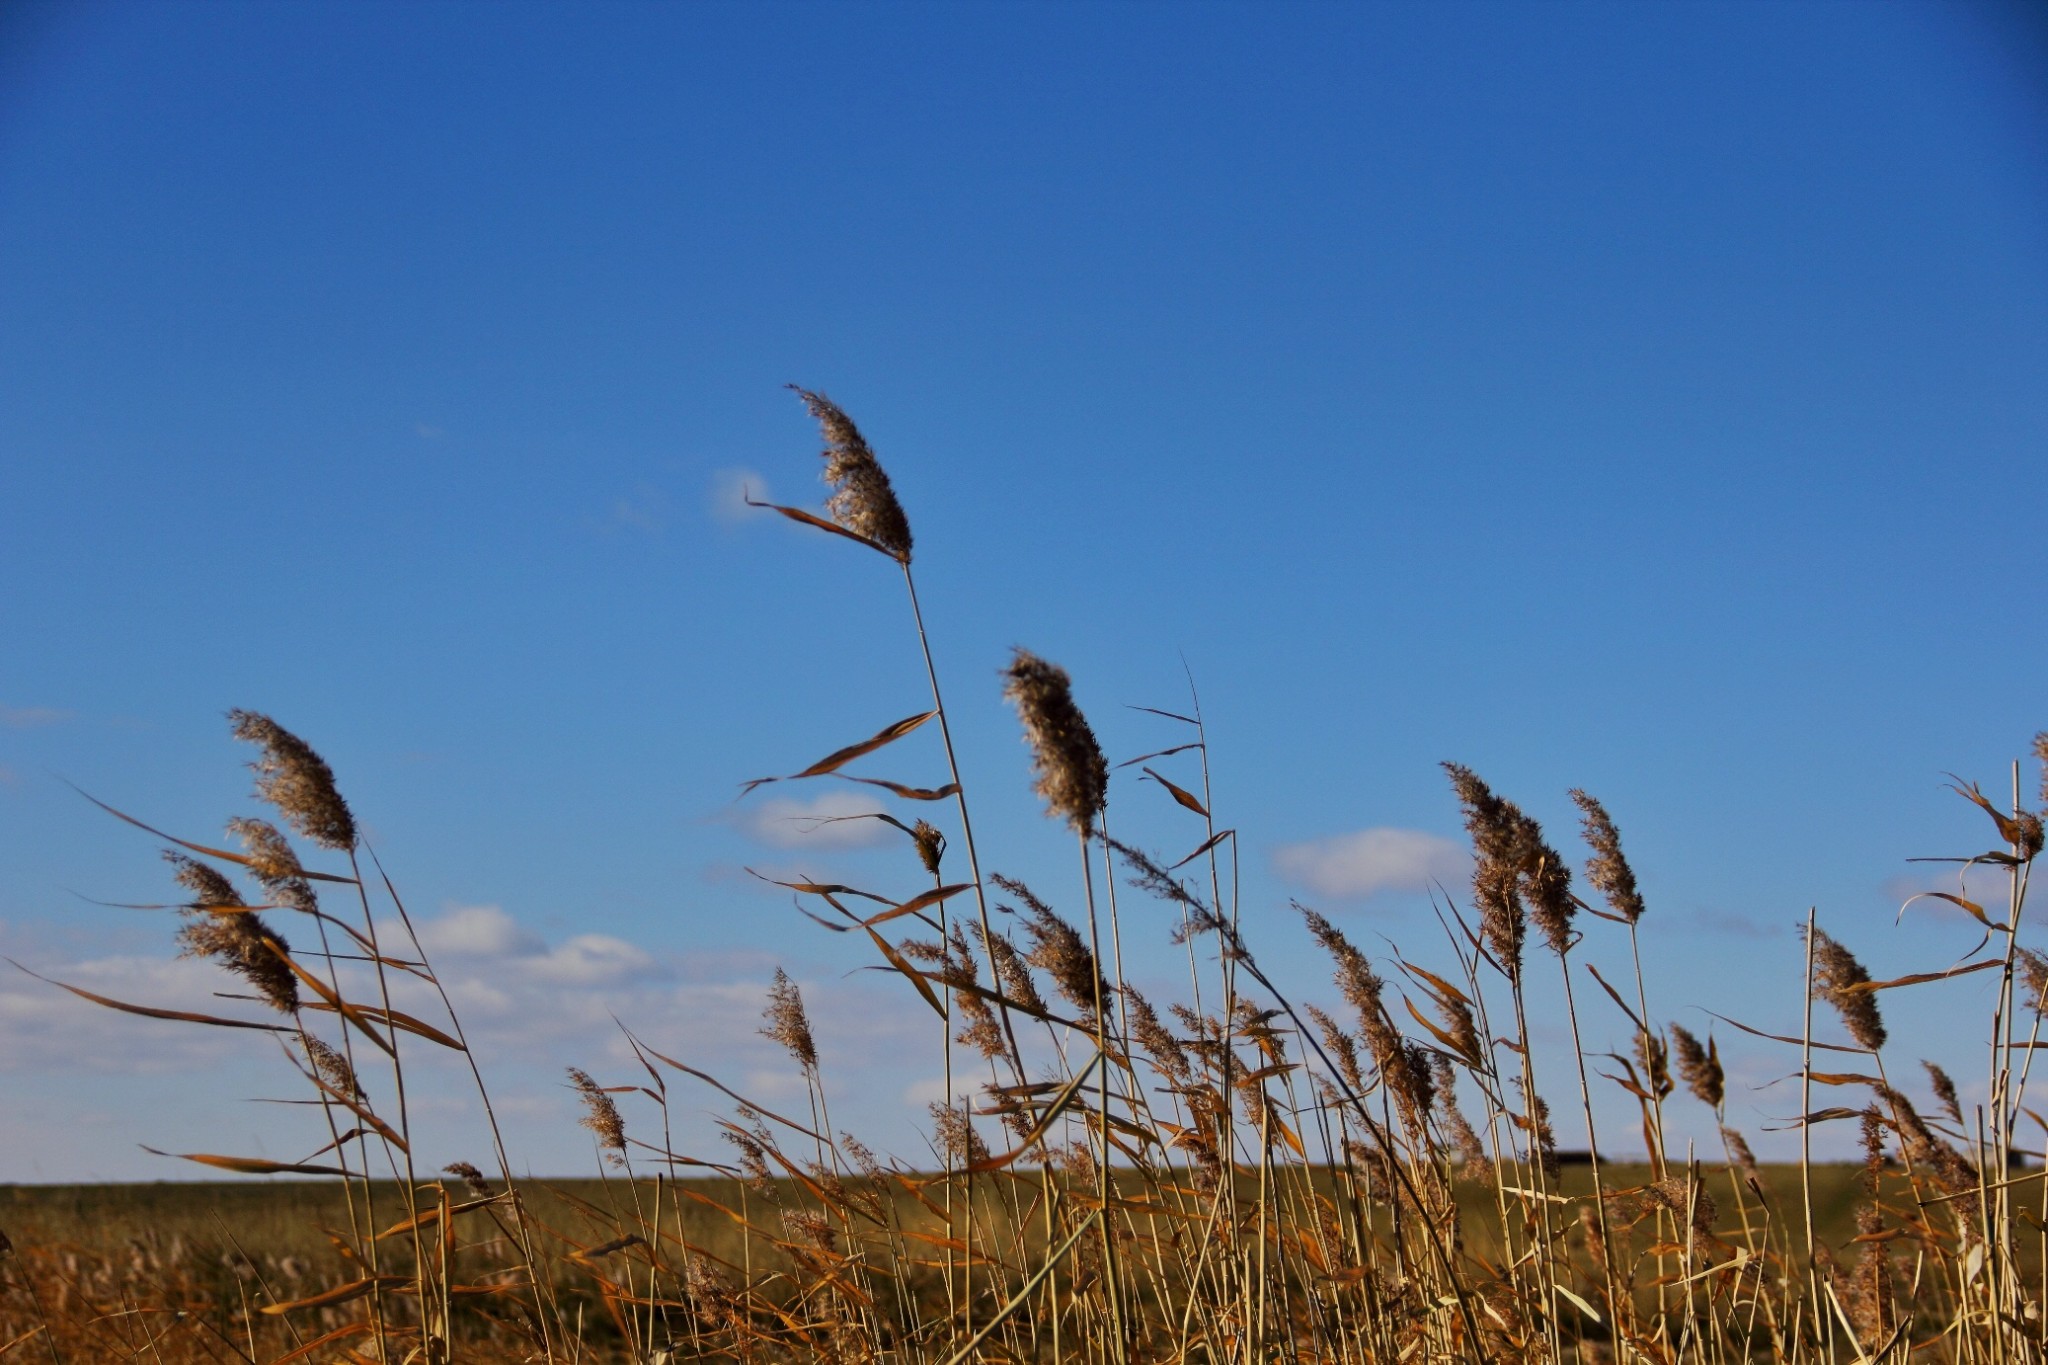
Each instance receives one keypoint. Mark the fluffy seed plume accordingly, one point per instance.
(600, 1115)
(1058, 950)
(2034, 976)
(217, 926)
(931, 845)
(1013, 973)
(862, 500)
(1945, 1092)
(1738, 1147)
(1403, 1066)
(1167, 1053)
(1516, 876)
(787, 1022)
(1838, 978)
(331, 1067)
(1699, 1064)
(1607, 869)
(953, 1134)
(1072, 774)
(471, 1178)
(297, 781)
(273, 863)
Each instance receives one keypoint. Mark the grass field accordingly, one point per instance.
(1235, 1177)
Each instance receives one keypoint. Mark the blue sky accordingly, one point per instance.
(1642, 398)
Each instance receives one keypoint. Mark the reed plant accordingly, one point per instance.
(1241, 1175)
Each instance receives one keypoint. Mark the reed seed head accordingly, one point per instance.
(1342, 1048)
(953, 1133)
(600, 1115)
(1699, 1065)
(1058, 950)
(1945, 1092)
(862, 500)
(1152, 1035)
(208, 887)
(2034, 976)
(273, 863)
(1012, 972)
(1839, 978)
(1744, 1157)
(297, 781)
(1608, 870)
(331, 1067)
(787, 1022)
(1072, 774)
(959, 970)
(216, 925)
(472, 1178)
(930, 843)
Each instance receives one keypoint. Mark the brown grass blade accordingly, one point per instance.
(341, 1293)
(839, 758)
(917, 903)
(717, 1085)
(249, 1165)
(1180, 794)
(798, 514)
(150, 1012)
(1218, 837)
(221, 853)
(907, 793)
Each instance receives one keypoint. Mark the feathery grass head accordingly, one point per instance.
(1738, 1145)
(953, 1134)
(787, 1022)
(1839, 979)
(297, 781)
(472, 1179)
(1516, 877)
(1608, 869)
(930, 843)
(273, 863)
(1058, 950)
(1699, 1066)
(208, 887)
(217, 926)
(1073, 776)
(1360, 985)
(1012, 972)
(331, 1066)
(2034, 976)
(862, 500)
(1945, 1092)
(600, 1114)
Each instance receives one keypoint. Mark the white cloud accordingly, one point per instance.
(831, 819)
(27, 717)
(1365, 863)
(593, 960)
(476, 931)
(730, 489)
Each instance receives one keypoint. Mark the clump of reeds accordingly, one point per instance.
(1115, 1175)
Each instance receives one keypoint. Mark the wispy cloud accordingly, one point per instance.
(643, 511)
(831, 819)
(29, 717)
(1368, 862)
(730, 489)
